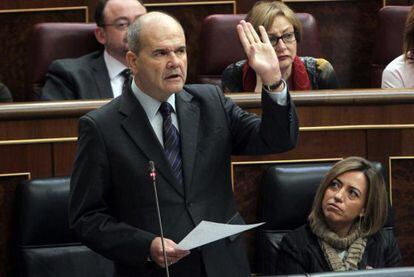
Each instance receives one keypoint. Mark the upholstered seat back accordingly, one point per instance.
(287, 197)
(45, 244)
(220, 45)
(51, 41)
(388, 42)
(288, 193)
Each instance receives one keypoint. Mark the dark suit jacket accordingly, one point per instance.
(300, 252)
(83, 78)
(112, 204)
(5, 95)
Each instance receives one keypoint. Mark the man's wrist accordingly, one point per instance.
(274, 87)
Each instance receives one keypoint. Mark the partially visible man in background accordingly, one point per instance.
(100, 74)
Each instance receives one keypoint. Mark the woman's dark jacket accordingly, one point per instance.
(300, 252)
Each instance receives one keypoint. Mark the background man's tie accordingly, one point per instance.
(127, 74)
(172, 146)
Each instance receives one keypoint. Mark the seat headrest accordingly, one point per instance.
(42, 212)
(288, 192)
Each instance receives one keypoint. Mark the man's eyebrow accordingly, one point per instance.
(122, 18)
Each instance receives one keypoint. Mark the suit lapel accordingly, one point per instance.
(101, 76)
(139, 129)
(188, 119)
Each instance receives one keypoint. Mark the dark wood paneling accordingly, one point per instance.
(13, 47)
(385, 143)
(33, 158)
(24, 4)
(346, 31)
(399, 2)
(403, 198)
(63, 157)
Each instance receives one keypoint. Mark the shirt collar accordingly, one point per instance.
(113, 65)
(150, 105)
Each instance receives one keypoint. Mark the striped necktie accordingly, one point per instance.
(172, 148)
(127, 74)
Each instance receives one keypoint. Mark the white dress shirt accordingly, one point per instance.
(115, 68)
(151, 107)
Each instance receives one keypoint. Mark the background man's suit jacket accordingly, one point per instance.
(5, 95)
(112, 204)
(83, 78)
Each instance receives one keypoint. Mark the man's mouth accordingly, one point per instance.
(173, 77)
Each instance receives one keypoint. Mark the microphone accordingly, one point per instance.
(153, 176)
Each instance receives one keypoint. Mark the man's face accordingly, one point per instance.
(118, 15)
(160, 68)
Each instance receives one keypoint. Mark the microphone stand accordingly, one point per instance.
(153, 176)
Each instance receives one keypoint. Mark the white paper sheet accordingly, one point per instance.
(207, 231)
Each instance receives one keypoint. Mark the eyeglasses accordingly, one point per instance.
(286, 38)
(121, 25)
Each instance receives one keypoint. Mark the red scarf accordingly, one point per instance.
(299, 79)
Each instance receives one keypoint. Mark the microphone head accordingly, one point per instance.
(152, 170)
(151, 166)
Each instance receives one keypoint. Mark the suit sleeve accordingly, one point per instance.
(59, 83)
(89, 210)
(276, 131)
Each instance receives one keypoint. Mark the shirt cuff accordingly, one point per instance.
(279, 97)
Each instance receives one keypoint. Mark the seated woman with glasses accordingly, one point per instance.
(284, 30)
(400, 72)
(345, 230)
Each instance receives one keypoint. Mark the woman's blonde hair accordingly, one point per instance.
(376, 204)
(264, 13)
(409, 37)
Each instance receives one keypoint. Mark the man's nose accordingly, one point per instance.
(173, 61)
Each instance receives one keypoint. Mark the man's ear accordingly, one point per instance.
(100, 35)
(131, 60)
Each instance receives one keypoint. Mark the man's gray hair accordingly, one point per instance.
(133, 36)
(134, 31)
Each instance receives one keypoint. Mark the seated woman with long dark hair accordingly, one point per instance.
(345, 230)
(284, 30)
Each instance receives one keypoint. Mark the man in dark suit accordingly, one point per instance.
(112, 204)
(98, 74)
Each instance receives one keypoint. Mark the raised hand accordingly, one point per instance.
(260, 53)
